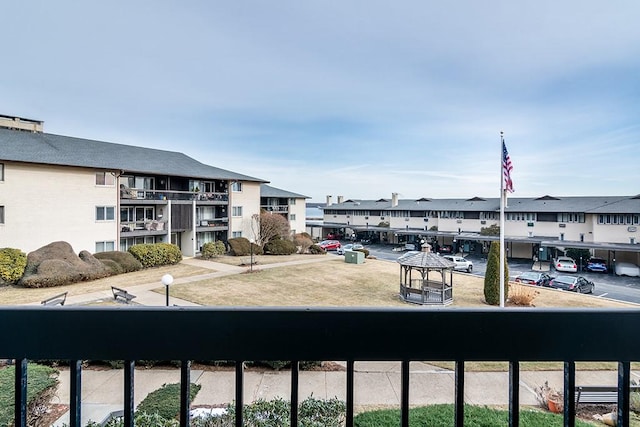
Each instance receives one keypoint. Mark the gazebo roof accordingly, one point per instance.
(425, 259)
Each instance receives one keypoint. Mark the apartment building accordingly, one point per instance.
(534, 227)
(101, 196)
(290, 205)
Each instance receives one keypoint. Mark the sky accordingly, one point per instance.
(360, 99)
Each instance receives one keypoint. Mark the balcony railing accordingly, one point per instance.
(276, 208)
(142, 194)
(405, 335)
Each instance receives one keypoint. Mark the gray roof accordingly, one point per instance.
(576, 204)
(269, 191)
(44, 148)
(423, 259)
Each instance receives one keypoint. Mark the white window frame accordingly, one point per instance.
(236, 187)
(236, 211)
(236, 234)
(108, 178)
(1, 172)
(104, 246)
(292, 217)
(292, 201)
(2, 214)
(105, 213)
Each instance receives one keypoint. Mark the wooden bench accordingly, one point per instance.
(122, 294)
(599, 394)
(55, 300)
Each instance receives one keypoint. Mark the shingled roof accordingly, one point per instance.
(50, 149)
(424, 259)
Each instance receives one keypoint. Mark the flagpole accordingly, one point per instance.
(502, 197)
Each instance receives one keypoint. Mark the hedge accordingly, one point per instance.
(213, 249)
(157, 254)
(166, 400)
(119, 262)
(280, 247)
(240, 246)
(12, 265)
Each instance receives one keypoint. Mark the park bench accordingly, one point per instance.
(599, 394)
(55, 300)
(122, 294)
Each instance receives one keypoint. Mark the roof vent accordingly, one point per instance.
(476, 199)
(547, 197)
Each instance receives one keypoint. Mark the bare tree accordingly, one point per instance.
(269, 226)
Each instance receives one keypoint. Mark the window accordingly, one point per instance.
(292, 217)
(1, 171)
(106, 246)
(236, 234)
(105, 178)
(1, 214)
(292, 201)
(105, 213)
(236, 186)
(236, 211)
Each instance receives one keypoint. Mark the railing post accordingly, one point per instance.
(514, 393)
(350, 389)
(20, 418)
(75, 400)
(459, 386)
(569, 393)
(185, 392)
(239, 392)
(624, 382)
(129, 368)
(295, 372)
(404, 393)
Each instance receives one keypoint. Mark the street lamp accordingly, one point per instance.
(167, 279)
(251, 242)
(540, 257)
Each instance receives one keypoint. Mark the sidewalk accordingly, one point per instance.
(377, 384)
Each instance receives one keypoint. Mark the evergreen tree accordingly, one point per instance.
(492, 276)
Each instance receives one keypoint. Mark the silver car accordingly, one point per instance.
(349, 247)
(461, 264)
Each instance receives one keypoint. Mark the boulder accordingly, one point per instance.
(56, 264)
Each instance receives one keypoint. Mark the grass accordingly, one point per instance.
(474, 416)
(41, 381)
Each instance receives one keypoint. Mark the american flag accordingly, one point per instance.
(507, 167)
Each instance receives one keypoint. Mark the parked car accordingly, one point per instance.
(598, 265)
(566, 264)
(534, 278)
(349, 247)
(334, 236)
(329, 245)
(461, 263)
(627, 269)
(444, 249)
(573, 283)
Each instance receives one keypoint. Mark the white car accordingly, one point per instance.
(349, 247)
(627, 269)
(566, 264)
(461, 264)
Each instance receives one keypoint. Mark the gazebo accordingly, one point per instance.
(424, 290)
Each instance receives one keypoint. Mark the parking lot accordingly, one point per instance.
(621, 288)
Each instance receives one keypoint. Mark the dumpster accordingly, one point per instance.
(354, 257)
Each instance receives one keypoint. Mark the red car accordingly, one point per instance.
(329, 245)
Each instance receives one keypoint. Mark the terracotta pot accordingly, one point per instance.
(554, 406)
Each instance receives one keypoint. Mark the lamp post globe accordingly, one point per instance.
(167, 279)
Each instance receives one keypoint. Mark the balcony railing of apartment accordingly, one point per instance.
(146, 225)
(142, 194)
(276, 208)
(342, 334)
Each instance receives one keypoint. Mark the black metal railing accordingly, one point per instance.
(240, 334)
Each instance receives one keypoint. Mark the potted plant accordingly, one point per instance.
(550, 398)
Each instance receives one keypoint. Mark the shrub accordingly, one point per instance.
(315, 249)
(12, 265)
(119, 262)
(141, 419)
(280, 247)
(41, 384)
(522, 295)
(277, 412)
(240, 246)
(492, 276)
(213, 249)
(155, 255)
(365, 251)
(166, 400)
(303, 242)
